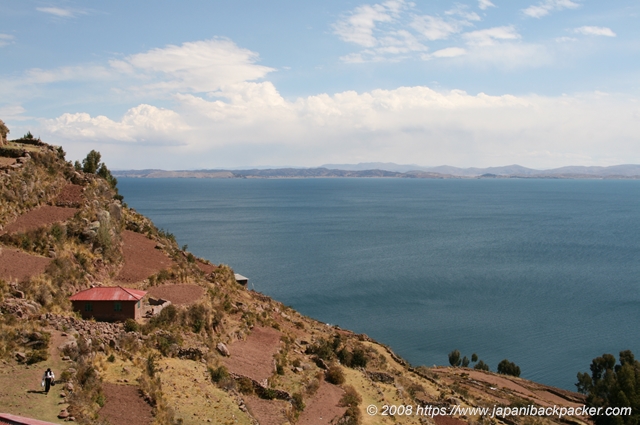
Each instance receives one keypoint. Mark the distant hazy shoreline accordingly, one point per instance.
(390, 170)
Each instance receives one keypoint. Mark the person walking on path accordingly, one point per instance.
(47, 380)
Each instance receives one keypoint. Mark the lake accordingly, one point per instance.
(544, 273)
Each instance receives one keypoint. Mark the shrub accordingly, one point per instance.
(245, 385)
(322, 349)
(268, 394)
(312, 387)
(130, 325)
(197, 314)
(111, 358)
(335, 375)
(37, 356)
(152, 367)
(474, 357)
(505, 367)
(350, 398)
(297, 402)
(166, 317)
(218, 374)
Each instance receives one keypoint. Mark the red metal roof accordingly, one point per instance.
(6, 418)
(108, 293)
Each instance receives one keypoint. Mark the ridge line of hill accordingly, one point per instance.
(623, 171)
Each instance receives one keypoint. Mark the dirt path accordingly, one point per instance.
(253, 357)
(20, 390)
(39, 217)
(177, 294)
(17, 265)
(141, 258)
(124, 406)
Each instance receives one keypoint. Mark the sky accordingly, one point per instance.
(246, 83)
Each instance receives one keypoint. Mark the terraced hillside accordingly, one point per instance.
(218, 353)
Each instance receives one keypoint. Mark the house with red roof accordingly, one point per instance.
(109, 303)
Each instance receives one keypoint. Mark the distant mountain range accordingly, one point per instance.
(389, 169)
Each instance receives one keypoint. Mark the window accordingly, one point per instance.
(88, 306)
(117, 306)
(138, 304)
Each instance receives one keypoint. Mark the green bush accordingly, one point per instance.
(454, 358)
(505, 367)
(481, 365)
(297, 402)
(37, 356)
(131, 325)
(268, 394)
(218, 374)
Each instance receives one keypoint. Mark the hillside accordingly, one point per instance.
(219, 353)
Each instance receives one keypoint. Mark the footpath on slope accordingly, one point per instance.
(20, 385)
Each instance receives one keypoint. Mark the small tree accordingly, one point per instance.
(92, 165)
(481, 366)
(611, 385)
(465, 361)
(454, 358)
(505, 367)
(474, 357)
(4, 130)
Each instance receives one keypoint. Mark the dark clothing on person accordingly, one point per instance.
(48, 380)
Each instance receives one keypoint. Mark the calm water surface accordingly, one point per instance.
(542, 272)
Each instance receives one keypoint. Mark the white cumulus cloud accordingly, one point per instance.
(60, 12)
(485, 4)
(434, 27)
(199, 66)
(6, 39)
(588, 30)
(490, 36)
(251, 123)
(141, 124)
(547, 6)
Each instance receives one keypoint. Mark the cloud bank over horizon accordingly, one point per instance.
(212, 102)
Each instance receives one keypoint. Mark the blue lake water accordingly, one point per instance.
(542, 272)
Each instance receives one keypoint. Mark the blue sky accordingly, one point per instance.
(211, 84)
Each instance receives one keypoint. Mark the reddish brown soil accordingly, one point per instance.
(500, 382)
(70, 196)
(39, 217)
(17, 265)
(207, 268)
(253, 357)
(267, 412)
(5, 162)
(448, 420)
(323, 406)
(141, 258)
(124, 406)
(177, 294)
